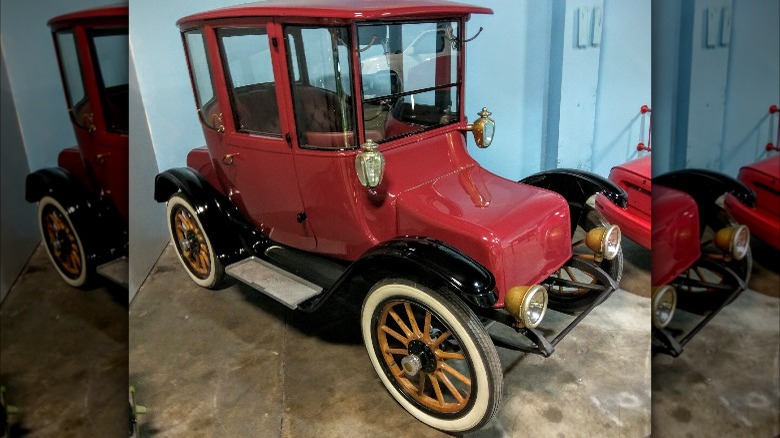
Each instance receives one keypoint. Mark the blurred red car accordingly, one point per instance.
(83, 203)
(763, 220)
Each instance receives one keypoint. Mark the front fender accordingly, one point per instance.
(706, 186)
(423, 260)
(220, 219)
(577, 186)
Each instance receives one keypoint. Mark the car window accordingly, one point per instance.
(409, 77)
(246, 57)
(71, 72)
(208, 108)
(110, 48)
(322, 92)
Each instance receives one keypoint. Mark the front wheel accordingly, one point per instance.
(193, 245)
(573, 290)
(63, 243)
(432, 354)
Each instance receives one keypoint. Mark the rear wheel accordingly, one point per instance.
(192, 243)
(63, 243)
(432, 354)
(572, 289)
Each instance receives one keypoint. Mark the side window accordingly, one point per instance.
(110, 48)
(71, 71)
(323, 99)
(208, 107)
(246, 57)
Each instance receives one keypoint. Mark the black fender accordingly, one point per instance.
(221, 221)
(424, 260)
(577, 186)
(706, 186)
(107, 236)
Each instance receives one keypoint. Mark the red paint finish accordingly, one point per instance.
(675, 234)
(104, 150)
(764, 220)
(338, 9)
(634, 220)
(432, 186)
(71, 160)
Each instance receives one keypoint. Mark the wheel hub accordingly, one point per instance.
(420, 357)
(61, 243)
(190, 243)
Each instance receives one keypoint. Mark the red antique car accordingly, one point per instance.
(83, 203)
(321, 175)
(700, 264)
(763, 220)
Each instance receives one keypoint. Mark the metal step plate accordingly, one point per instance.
(280, 285)
(116, 270)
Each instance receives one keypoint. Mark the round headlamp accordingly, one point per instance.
(733, 240)
(527, 304)
(604, 241)
(664, 303)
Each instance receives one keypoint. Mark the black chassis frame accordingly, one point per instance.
(421, 259)
(98, 223)
(705, 186)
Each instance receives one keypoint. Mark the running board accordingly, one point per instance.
(283, 286)
(116, 270)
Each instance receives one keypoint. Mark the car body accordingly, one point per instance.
(635, 220)
(701, 258)
(83, 203)
(310, 184)
(763, 177)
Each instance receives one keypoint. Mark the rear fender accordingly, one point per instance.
(577, 186)
(107, 236)
(221, 221)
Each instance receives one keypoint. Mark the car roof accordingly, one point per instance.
(340, 9)
(118, 10)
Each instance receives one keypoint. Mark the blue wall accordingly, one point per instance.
(712, 96)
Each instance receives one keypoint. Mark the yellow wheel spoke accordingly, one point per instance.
(421, 385)
(401, 324)
(454, 391)
(437, 389)
(394, 334)
(444, 355)
(396, 351)
(412, 320)
(427, 327)
(441, 339)
(455, 373)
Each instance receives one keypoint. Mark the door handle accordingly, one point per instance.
(228, 159)
(101, 158)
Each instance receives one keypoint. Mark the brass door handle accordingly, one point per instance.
(217, 119)
(228, 159)
(101, 158)
(88, 121)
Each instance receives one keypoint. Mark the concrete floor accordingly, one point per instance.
(727, 380)
(64, 355)
(236, 363)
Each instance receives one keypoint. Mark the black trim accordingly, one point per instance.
(102, 230)
(221, 221)
(424, 260)
(577, 186)
(706, 186)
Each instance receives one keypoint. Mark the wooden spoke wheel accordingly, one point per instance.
(572, 289)
(62, 241)
(192, 243)
(432, 354)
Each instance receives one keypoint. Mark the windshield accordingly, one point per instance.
(409, 75)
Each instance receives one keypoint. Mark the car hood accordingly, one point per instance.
(519, 232)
